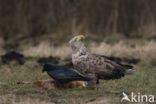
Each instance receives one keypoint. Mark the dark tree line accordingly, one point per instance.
(25, 18)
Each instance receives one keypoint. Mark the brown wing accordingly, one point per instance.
(100, 65)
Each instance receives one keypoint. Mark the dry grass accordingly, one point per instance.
(103, 100)
(12, 98)
(145, 52)
(45, 49)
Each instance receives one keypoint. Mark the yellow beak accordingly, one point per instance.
(80, 37)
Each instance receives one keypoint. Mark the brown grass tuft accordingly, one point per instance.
(145, 52)
(44, 49)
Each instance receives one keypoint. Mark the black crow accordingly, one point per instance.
(62, 74)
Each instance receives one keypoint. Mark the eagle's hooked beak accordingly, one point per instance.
(80, 37)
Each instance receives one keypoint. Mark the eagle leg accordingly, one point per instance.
(93, 81)
(97, 81)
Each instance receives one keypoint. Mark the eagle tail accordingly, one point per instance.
(129, 71)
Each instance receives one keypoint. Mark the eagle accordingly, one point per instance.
(63, 75)
(94, 65)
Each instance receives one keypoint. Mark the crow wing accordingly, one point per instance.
(64, 75)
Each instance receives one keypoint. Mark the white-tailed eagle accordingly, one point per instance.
(94, 65)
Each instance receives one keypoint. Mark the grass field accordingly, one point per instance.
(107, 92)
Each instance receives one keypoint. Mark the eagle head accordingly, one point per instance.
(77, 39)
(76, 44)
(80, 37)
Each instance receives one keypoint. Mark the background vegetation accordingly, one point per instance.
(23, 19)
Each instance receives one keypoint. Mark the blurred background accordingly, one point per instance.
(30, 19)
(112, 27)
(34, 32)
(37, 28)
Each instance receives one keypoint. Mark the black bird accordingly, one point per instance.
(62, 74)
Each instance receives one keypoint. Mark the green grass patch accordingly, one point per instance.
(143, 81)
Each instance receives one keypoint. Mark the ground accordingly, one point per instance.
(107, 92)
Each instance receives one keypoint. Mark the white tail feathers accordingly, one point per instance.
(130, 71)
